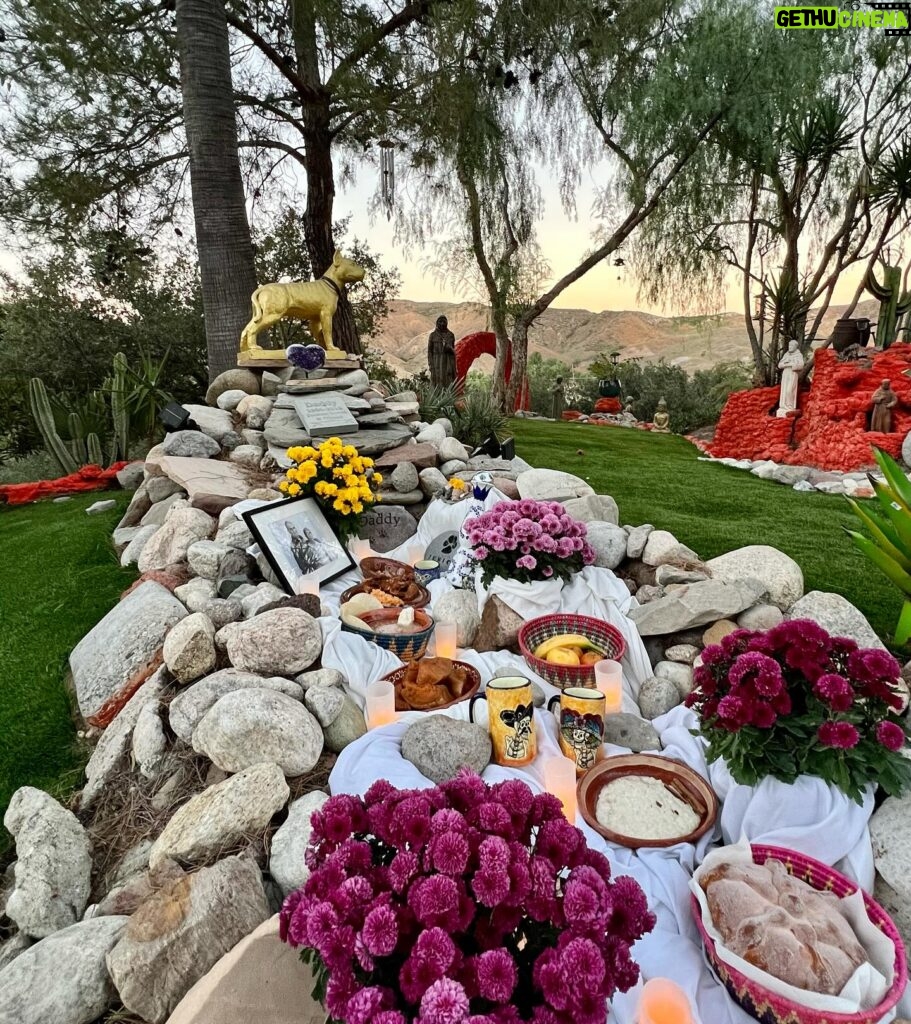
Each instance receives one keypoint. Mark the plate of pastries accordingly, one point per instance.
(391, 591)
(432, 683)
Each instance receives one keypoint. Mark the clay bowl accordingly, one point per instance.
(376, 566)
(407, 646)
(473, 674)
(676, 776)
(376, 583)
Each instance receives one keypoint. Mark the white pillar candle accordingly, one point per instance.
(609, 680)
(360, 549)
(560, 781)
(308, 587)
(380, 704)
(444, 639)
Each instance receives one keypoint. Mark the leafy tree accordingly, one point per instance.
(95, 127)
(809, 175)
(573, 85)
(75, 309)
(281, 252)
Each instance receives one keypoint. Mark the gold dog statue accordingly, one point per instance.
(313, 301)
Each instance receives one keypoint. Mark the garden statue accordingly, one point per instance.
(884, 401)
(557, 400)
(313, 301)
(661, 421)
(790, 365)
(441, 355)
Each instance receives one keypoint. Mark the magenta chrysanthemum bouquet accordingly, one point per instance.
(463, 904)
(528, 540)
(796, 701)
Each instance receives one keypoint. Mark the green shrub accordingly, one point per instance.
(475, 417)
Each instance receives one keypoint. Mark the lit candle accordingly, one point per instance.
(609, 680)
(560, 781)
(664, 1002)
(308, 587)
(444, 638)
(414, 553)
(360, 549)
(380, 703)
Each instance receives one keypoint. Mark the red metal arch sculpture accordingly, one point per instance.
(484, 343)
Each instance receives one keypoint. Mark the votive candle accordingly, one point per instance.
(380, 704)
(360, 549)
(664, 1002)
(445, 635)
(609, 680)
(308, 587)
(560, 781)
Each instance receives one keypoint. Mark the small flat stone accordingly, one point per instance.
(419, 455)
(718, 631)
(657, 696)
(551, 485)
(626, 730)
(97, 507)
(684, 654)
(210, 484)
(190, 444)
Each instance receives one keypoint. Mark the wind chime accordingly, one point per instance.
(387, 175)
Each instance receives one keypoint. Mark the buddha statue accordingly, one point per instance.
(661, 421)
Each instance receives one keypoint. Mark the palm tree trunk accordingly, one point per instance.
(219, 208)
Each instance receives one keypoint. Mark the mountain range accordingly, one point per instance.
(578, 336)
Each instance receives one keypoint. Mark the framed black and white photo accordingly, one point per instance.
(298, 541)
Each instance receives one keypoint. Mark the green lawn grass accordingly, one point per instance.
(58, 577)
(658, 479)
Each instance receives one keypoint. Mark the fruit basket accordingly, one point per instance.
(774, 1008)
(592, 634)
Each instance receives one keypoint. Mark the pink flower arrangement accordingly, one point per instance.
(463, 904)
(529, 540)
(796, 701)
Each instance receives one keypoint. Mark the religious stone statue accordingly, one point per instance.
(661, 421)
(441, 355)
(790, 365)
(884, 401)
(557, 399)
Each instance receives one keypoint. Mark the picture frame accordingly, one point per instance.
(298, 542)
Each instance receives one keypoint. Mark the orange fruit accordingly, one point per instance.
(562, 656)
(590, 657)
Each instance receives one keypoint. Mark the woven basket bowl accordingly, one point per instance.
(771, 1008)
(407, 646)
(606, 638)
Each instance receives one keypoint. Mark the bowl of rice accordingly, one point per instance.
(639, 800)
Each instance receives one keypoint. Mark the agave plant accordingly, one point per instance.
(889, 524)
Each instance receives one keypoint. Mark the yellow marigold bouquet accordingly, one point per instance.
(340, 480)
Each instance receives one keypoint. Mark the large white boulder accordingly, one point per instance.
(779, 572)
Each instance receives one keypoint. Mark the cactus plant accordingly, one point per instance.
(93, 450)
(893, 303)
(77, 438)
(119, 409)
(44, 417)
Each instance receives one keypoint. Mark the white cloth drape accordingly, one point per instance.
(809, 816)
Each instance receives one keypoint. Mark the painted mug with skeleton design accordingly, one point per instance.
(510, 720)
(581, 720)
